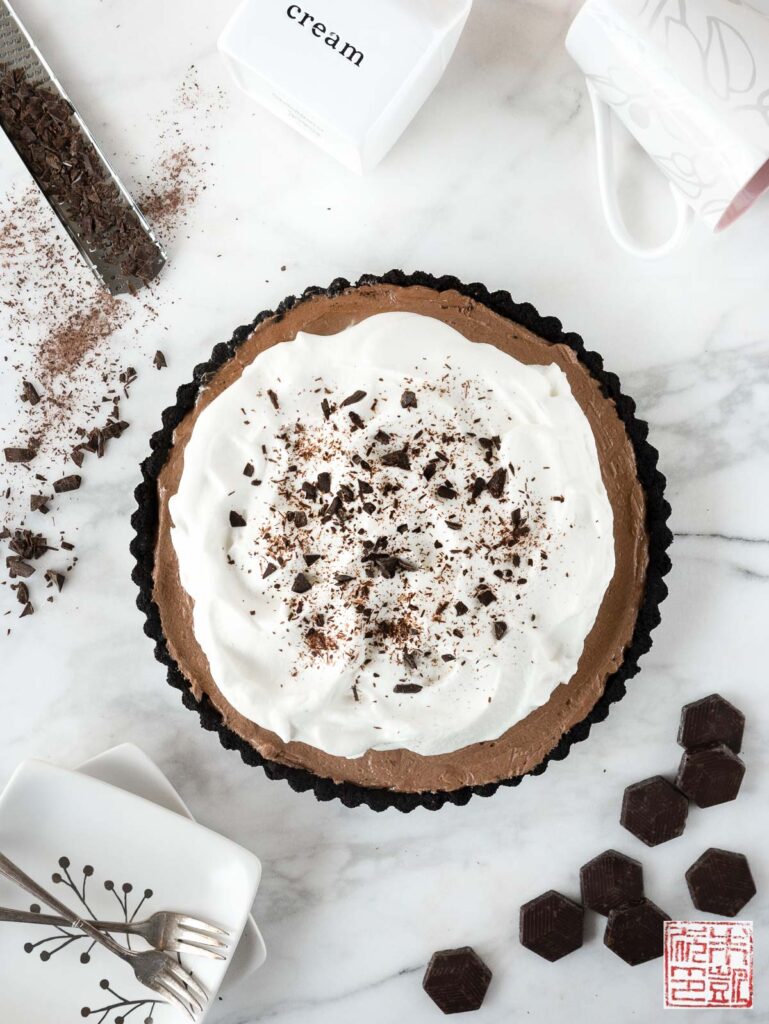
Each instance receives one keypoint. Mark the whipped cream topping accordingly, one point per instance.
(393, 537)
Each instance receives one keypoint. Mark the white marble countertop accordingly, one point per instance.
(494, 181)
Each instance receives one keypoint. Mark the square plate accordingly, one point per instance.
(113, 855)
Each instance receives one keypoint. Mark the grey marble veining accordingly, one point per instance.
(494, 181)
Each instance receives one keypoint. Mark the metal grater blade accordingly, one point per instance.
(18, 52)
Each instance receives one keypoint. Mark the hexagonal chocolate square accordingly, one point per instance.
(456, 980)
(711, 720)
(654, 810)
(551, 925)
(636, 932)
(720, 882)
(609, 880)
(710, 775)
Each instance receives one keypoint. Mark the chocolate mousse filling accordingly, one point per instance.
(527, 744)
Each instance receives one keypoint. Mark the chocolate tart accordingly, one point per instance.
(626, 619)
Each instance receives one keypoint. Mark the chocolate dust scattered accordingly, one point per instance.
(65, 336)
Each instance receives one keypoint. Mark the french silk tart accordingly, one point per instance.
(402, 541)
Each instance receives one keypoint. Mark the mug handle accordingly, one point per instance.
(602, 115)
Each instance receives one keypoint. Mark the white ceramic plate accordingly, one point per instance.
(129, 768)
(110, 853)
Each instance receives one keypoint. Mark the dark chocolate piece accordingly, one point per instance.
(20, 454)
(610, 880)
(500, 628)
(457, 980)
(353, 399)
(407, 687)
(311, 559)
(159, 360)
(479, 486)
(446, 491)
(17, 567)
(551, 925)
(398, 459)
(269, 570)
(496, 485)
(39, 503)
(55, 579)
(711, 720)
(301, 584)
(460, 608)
(236, 520)
(486, 596)
(273, 398)
(710, 775)
(408, 400)
(654, 810)
(27, 610)
(248, 469)
(720, 882)
(324, 483)
(22, 592)
(67, 483)
(29, 393)
(326, 408)
(636, 932)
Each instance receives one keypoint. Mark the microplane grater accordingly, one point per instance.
(18, 51)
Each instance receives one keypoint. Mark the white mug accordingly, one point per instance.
(690, 80)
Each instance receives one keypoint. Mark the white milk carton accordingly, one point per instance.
(348, 74)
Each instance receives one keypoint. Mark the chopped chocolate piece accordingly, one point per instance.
(447, 658)
(453, 524)
(311, 559)
(27, 610)
(324, 482)
(22, 593)
(248, 469)
(27, 544)
(388, 565)
(460, 608)
(654, 811)
(382, 437)
(18, 567)
(67, 483)
(408, 400)
(273, 398)
(355, 419)
(397, 459)
(309, 490)
(364, 487)
(486, 596)
(710, 775)
(271, 568)
(236, 520)
(159, 360)
(301, 584)
(711, 720)
(29, 393)
(446, 491)
(407, 687)
(636, 932)
(20, 454)
(479, 486)
(430, 469)
(54, 579)
(457, 980)
(496, 484)
(77, 456)
(66, 546)
(409, 657)
(342, 578)
(551, 925)
(500, 628)
(720, 882)
(300, 519)
(610, 880)
(356, 396)
(38, 503)
(326, 408)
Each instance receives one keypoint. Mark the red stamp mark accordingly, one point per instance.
(708, 964)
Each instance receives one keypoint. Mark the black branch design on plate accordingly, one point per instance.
(125, 1006)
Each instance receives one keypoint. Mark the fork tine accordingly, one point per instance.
(184, 978)
(195, 949)
(175, 986)
(190, 935)
(202, 926)
(173, 997)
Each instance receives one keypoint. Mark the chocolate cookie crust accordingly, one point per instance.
(627, 615)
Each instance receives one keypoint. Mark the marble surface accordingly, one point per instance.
(494, 181)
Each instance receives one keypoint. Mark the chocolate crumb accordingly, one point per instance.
(486, 597)
(460, 608)
(500, 628)
(356, 421)
(38, 503)
(301, 584)
(324, 483)
(407, 687)
(271, 568)
(311, 559)
(159, 360)
(236, 519)
(22, 593)
(28, 610)
(67, 483)
(54, 578)
(496, 484)
(408, 400)
(397, 459)
(248, 469)
(356, 396)
(29, 393)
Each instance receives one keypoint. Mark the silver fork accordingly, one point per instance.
(166, 931)
(157, 971)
